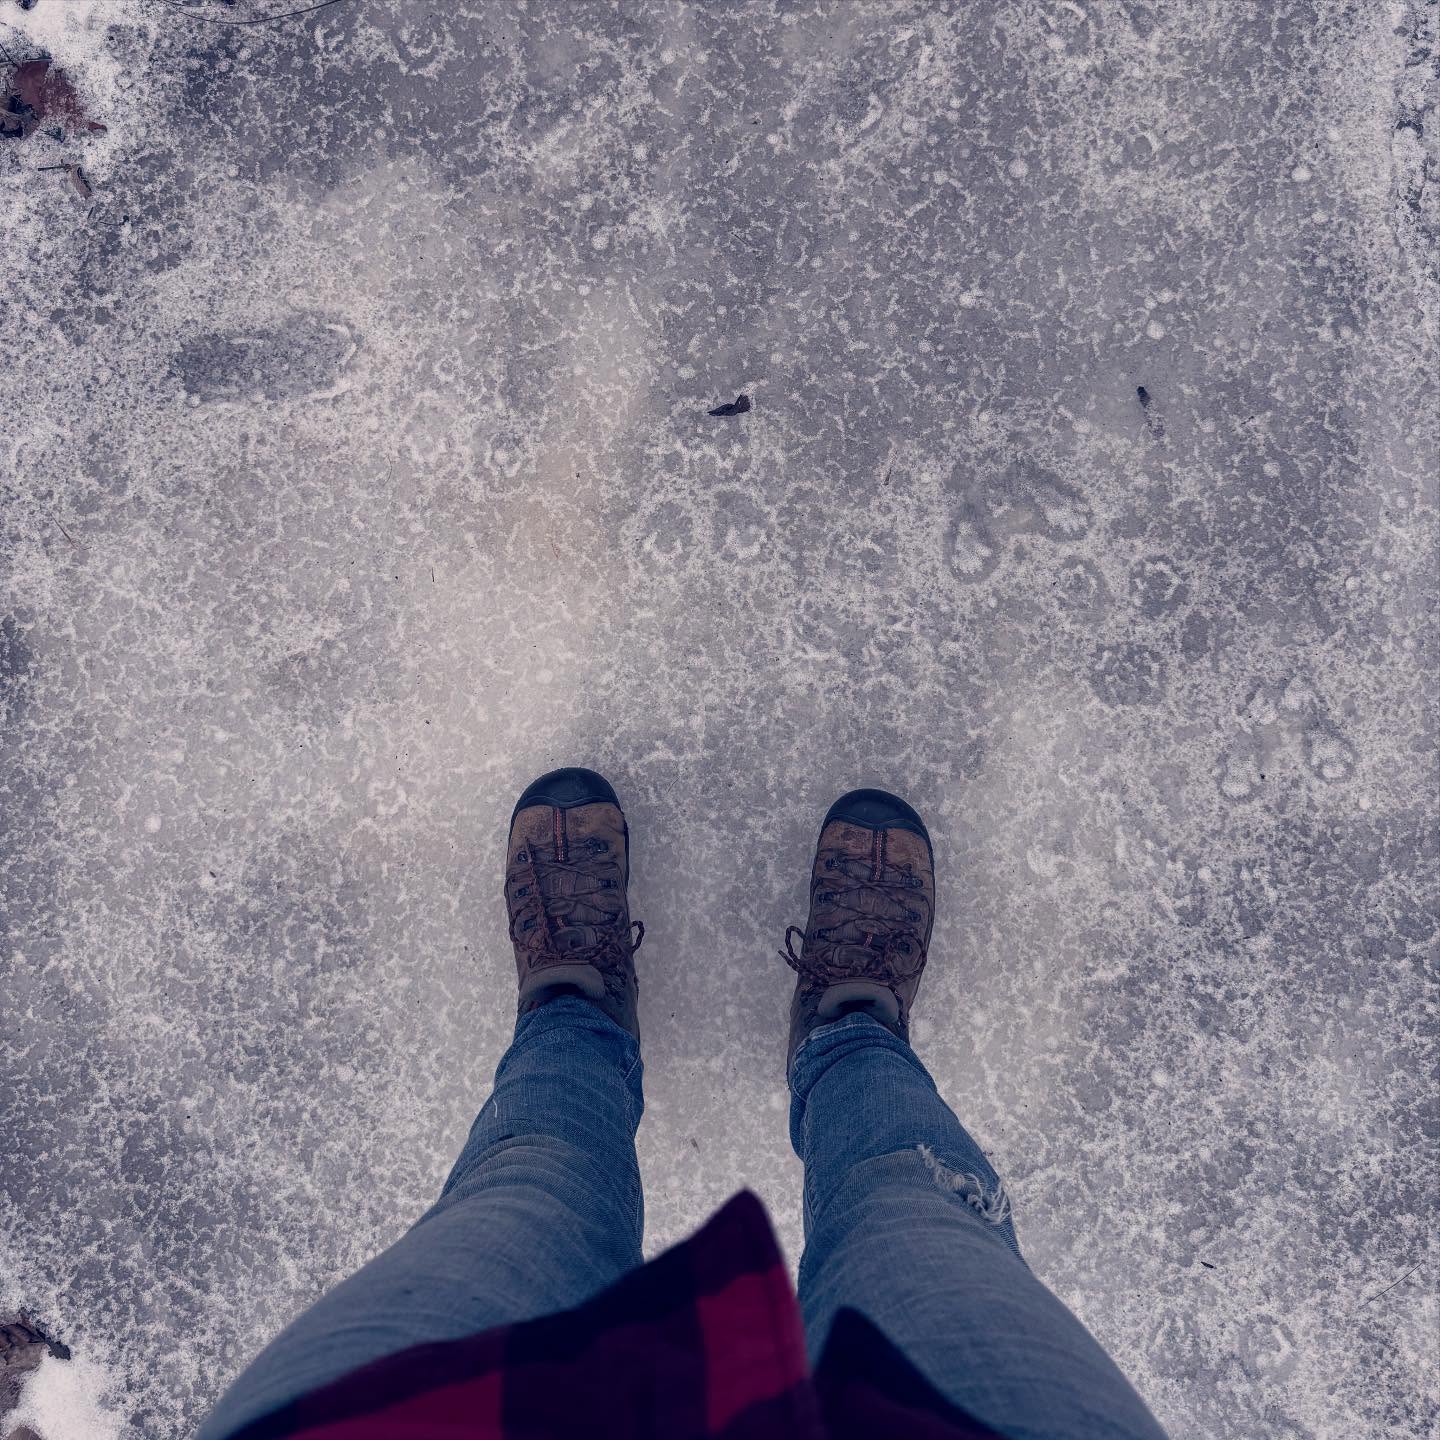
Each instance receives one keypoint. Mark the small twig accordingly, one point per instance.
(258, 20)
(63, 530)
(1392, 1284)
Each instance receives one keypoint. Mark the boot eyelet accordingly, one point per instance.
(521, 856)
(522, 891)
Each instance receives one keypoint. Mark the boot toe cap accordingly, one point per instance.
(565, 789)
(878, 810)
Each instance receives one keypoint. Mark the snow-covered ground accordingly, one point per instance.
(356, 467)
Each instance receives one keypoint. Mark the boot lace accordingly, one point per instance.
(539, 875)
(898, 951)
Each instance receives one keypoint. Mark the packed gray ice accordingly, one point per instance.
(357, 465)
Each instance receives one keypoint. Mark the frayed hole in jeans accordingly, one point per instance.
(991, 1205)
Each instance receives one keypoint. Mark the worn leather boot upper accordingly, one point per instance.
(872, 908)
(565, 888)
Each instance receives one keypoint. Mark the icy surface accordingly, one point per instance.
(357, 467)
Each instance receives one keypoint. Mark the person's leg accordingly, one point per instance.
(542, 1210)
(907, 1222)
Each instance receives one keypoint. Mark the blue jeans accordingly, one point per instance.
(905, 1220)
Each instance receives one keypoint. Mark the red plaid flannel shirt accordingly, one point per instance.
(702, 1343)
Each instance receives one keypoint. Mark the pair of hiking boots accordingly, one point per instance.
(872, 906)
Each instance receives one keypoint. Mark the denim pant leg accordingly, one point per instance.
(542, 1210)
(907, 1222)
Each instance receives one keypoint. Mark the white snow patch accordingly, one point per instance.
(66, 1400)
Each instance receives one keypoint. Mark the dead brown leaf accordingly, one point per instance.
(39, 91)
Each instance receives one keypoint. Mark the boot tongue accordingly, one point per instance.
(572, 938)
(852, 952)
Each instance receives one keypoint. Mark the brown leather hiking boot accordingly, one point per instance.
(566, 870)
(872, 907)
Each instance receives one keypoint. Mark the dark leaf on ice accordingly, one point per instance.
(737, 407)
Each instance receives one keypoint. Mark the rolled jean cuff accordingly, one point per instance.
(570, 1012)
(813, 1053)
